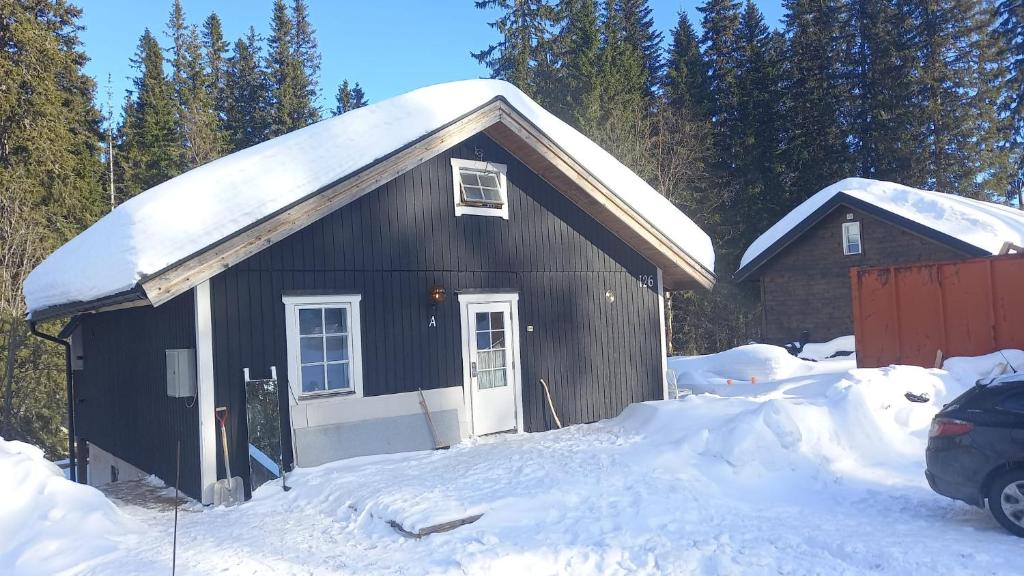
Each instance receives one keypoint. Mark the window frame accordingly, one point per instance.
(847, 226)
(350, 302)
(461, 207)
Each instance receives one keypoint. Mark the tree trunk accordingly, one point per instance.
(13, 343)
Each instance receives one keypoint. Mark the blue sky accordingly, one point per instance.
(390, 47)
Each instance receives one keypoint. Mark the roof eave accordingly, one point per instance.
(131, 296)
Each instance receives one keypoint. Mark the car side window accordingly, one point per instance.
(1013, 403)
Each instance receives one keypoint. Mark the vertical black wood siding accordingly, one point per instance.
(395, 243)
(121, 391)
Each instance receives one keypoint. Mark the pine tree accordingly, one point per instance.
(358, 97)
(623, 100)
(638, 31)
(308, 54)
(685, 84)
(1010, 32)
(524, 26)
(215, 49)
(246, 119)
(959, 128)
(149, 147)
(349, 98)
(883, 104)
(759, 124)
(199, 126)
(291, 88)
(570, 91)
(50, 175)
(815, 147)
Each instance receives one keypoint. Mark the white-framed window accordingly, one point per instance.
(851, 238)
(481, 188)
(324, 350)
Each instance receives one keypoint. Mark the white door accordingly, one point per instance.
(488, 335)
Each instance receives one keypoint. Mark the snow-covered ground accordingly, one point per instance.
(815, 468)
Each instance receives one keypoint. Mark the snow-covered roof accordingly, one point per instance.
(187, 214)
(983, 225)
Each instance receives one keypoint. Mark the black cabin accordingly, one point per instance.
(468, 263)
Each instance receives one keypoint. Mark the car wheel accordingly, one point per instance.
(1006, 501)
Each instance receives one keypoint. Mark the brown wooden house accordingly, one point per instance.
(803, 261)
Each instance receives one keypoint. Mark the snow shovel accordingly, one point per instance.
(229, 490)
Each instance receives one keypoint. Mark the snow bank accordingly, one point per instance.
(745, 370)
(982, 224)
(184, 215)
(49, 524)
(818, 473)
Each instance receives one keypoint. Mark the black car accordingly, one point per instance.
(976, 449)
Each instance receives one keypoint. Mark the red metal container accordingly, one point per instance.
(908, 314)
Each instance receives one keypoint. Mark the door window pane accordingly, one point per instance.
(492, 359)
(488, 379)
(498, 339)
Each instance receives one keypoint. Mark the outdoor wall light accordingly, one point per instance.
(437, 294)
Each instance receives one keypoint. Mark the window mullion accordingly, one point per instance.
(323, 345)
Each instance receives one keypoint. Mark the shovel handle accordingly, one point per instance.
(222, 416)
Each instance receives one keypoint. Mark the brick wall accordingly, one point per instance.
(806, 286)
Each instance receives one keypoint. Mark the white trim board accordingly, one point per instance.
(662, 338)
(511, 298)
(204, 392)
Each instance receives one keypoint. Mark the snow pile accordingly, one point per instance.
(745, 370)
(49, 524)
(982, 224)
(184, 215)
(972, 369)
(831, 350)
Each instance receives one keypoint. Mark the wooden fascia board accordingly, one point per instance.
(670, 254)
(180, 277)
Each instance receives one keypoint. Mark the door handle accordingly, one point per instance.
(472, 369)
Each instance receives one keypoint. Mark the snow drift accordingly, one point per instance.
(184, 215)
(49, 524)
(982, 224)
(816, 469)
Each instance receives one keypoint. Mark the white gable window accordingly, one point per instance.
(851, 238)
(324, 353)
(480, 188)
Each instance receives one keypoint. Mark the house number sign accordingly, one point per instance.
(646, 281)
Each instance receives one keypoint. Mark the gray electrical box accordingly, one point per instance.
(181, 372)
